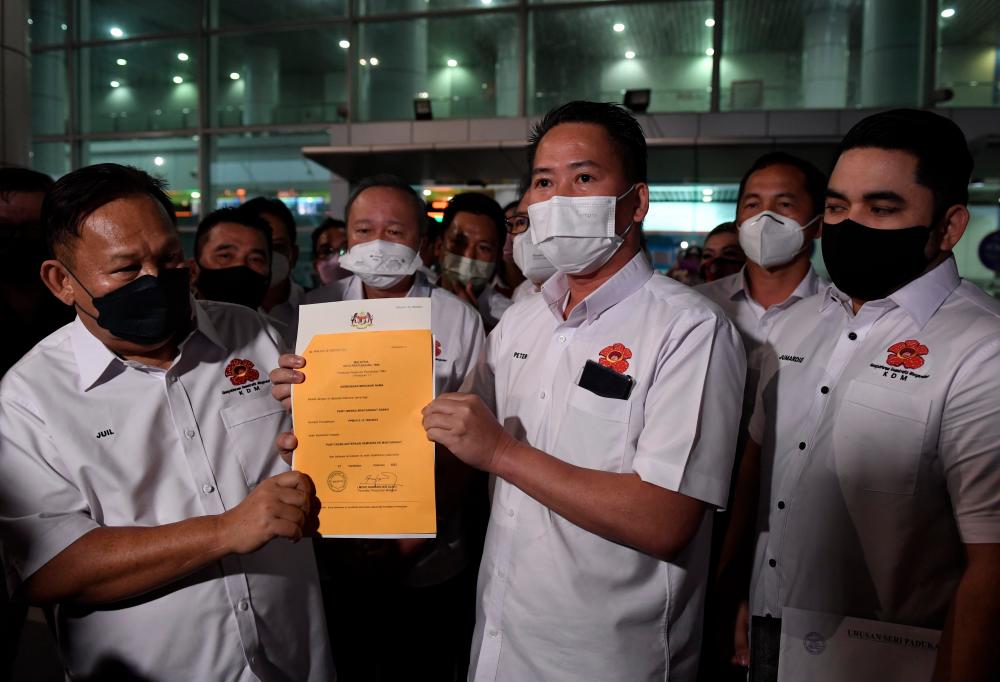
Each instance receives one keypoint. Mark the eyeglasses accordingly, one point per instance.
(327, 251)
(517, 224)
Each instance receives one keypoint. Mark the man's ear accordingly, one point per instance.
(59, 282)
(956, 219)
(642, 206)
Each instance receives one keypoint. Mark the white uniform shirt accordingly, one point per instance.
(492, 305)
(557, 602)
(286, 313)
(524, 290)
(458, 342)
(88, 440)
(880, 439)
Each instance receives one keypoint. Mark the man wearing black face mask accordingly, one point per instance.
(140, 499)
(232, 258)
(873, 469)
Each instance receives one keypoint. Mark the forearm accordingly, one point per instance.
(969, 650)
(618, 507)
(110, 564)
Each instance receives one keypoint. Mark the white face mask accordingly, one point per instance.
(464, 270)
(531, 261)
(279, 268)
(770, 239)
(576, 234)
(381, 264)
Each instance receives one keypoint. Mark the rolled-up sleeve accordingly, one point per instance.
(41, 510)
(692, 409)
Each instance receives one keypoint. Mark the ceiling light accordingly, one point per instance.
(115, 84)
(116, 32)
(710, 51)
(159, 160)
(684, 245)
(196, 195)
(345, 44)
(947, 13)
(618, 28)
(363, 62)
(234, 76)
(427, 192)
(121, 62)
(487, 2)
(63, 26)
(452, 63)
(178, 80)
(30, 21)
(708, 191)
(706, 198)
(630, 55)
(373, 61)
(423, 95)
(710, 22)
(183, 56)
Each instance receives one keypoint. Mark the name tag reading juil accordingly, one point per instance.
(369, 373)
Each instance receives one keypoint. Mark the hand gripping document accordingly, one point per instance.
(820, 647)
(370, 372)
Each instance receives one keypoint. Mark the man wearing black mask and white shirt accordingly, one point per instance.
(140, 497)
(873, 468)
(232, 258)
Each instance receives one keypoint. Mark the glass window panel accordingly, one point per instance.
(372, 7)
(117, 19)
(597, 53)
(48, 21)
(248, 165)
(49, 93)
(173, 159)
(51, 158)
(289, 77)
(969, 52)
(466, 66)
(137, 87)
(248, 12)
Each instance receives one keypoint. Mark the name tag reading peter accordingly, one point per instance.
(369, 373)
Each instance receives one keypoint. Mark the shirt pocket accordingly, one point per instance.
(594, 431)
(252, 426)
(878, 438)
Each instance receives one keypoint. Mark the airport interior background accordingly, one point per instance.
(230, 99)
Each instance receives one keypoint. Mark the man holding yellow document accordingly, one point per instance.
(358, 419)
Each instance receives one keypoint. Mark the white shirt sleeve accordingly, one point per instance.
(481, 380)
(41, 511)
(969, 446)
(692, 410)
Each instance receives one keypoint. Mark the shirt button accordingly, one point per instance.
(852, 336)
(243, 605)
(510, 512)
(562, 338)
(772, 563)
(781, 505)
(541, 395)
(189, 433)
(208, 488)
(824, 390)
(500, 573)
(493, 632)
(802, 446)
(172, 379)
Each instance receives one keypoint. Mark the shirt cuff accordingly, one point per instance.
(38, 551)
(708, 489)
(979, 530)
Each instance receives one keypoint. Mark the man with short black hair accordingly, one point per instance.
(873, 468)
(606, 407)
(140, 497)
(284, 296)
(232, 259)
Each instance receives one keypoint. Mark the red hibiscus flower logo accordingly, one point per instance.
(907, 354)
(240, 372)
(437, 348)
(616, 356)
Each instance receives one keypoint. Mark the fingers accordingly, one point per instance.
(294, 497)
(443, 422)
(291, 361)
(292, 479)
(286, 441)
(442, 436)
(741, 638)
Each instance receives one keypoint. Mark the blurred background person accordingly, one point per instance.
(687, 268)
(721, 254)
(430, 249)
(232, 258)
(284, 295)
(529, 259)
(329, 244)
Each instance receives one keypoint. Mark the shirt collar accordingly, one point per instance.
(94, 359)
(921, 298)
(629, 279)
(809, 285)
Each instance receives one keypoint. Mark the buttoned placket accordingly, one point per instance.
(199, 463)
(798, 449)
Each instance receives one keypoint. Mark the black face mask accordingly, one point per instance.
(240, 285)
(147, 310)
(869, 264)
